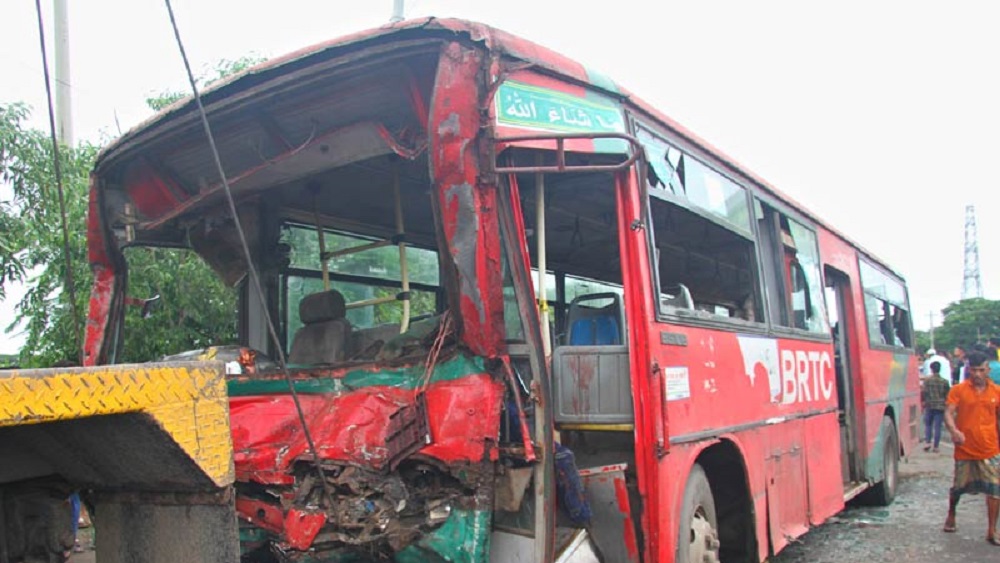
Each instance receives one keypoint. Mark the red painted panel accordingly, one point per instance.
(648, 415)
(468, 223)
(823, 454)
(464, 417)
(151, 193)
(264, 515)
(102, 256)
(786, 484)
(301, 527)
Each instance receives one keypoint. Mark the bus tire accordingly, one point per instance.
(884, 492)
(698, 532)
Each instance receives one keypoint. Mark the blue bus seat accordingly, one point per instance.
(595, 326)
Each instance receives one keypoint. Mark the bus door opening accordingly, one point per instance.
(571, 234)
(837, 296)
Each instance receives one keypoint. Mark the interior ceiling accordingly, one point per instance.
(581, 235)
(286, 134)
(359, 198)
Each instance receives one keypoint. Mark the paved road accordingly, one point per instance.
(908, 531)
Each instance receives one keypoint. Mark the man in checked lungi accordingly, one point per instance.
(972, 418)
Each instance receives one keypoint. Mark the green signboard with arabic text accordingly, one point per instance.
(532, 107)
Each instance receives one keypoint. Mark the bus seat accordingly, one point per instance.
(323, 337)
(677, 295)
(595, 326)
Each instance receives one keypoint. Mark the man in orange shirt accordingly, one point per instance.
(971, 417)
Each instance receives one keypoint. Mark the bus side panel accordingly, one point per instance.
(826, 496)
(884, 380)
(891, 388)
(777, 396)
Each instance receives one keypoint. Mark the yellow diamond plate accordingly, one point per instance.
(186, 399)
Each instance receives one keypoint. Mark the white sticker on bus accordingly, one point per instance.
(677, 383)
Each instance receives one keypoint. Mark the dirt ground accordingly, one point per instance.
(909, 530)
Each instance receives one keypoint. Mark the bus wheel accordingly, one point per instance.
(698, 535)
(884, 491)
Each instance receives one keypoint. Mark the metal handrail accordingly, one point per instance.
(561, 166)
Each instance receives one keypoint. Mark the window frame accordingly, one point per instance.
(777, 307)
(673, 315)
(864, 261)
(287, 271)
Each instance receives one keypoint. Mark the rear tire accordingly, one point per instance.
(698, 529)
(884, 492)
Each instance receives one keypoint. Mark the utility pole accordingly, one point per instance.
(930, 315)
(64, 104)
(397, 11)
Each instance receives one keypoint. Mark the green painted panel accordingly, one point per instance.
(463, 538)
(523, 105)
(407, 377)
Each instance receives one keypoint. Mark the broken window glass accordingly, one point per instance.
(885, 307)
(807, 288)
(673, 172)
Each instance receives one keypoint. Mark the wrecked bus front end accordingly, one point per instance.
(355, 171)
(407, 453)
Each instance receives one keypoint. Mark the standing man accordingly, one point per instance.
(971, 417)
(933, 356)
(933, 394)
(958, 368)
(994, 359)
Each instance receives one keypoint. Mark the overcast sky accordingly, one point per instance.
(880, 116)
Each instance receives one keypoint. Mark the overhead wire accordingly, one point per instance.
(252, 271)
(67, 255)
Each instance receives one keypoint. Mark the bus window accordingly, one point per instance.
(794, 255)
(359, 277)
(705, 270)
(885, 308)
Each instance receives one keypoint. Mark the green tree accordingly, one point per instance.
(31, 244)
(197, 309)
(923, 341)
(968, 321)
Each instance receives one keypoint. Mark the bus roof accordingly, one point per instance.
(495, 40)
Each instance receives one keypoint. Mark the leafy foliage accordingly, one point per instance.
(197, 309)
(967, 322)
(31, 250)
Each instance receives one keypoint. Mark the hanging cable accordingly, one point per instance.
(70, 285)
(254, 278)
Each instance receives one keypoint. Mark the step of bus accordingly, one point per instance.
(611, 525)
(854, 489)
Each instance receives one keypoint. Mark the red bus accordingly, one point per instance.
(527, 316)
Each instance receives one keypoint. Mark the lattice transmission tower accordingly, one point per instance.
(972, 285)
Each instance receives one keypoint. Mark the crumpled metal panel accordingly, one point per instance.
(105, 266)
(471, 231)
(352, 427)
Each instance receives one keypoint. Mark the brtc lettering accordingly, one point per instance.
(805, 376)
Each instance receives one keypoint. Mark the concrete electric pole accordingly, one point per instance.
(64, 103)
(397, 11)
